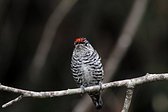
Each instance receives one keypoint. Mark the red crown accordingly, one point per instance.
(80, 40)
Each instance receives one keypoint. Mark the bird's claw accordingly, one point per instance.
(100, 84)
(83, 89)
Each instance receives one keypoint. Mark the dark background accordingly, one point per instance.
(22, 23)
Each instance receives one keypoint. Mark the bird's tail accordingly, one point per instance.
(97, 100)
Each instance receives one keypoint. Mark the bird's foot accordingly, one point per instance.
(83, 89)
(100, 84)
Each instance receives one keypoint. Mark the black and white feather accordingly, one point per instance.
(87, 68)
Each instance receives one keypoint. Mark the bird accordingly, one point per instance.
(87, 69)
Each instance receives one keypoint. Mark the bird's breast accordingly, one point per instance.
(87, 73)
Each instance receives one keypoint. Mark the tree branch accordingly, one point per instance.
(128, 98)
(127, 83)
(12, 101)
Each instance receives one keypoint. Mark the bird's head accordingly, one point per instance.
(82, 45)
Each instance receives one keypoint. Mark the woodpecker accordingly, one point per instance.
(87, 68)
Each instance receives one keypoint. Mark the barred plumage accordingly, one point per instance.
(87, 68)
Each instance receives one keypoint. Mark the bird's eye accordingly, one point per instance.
(86, 44)
(75, 43)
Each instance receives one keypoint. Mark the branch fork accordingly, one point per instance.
(129, 83)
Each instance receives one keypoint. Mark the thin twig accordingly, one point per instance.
(12, 101)
(128, 99)
(122, 45)
(133, 82)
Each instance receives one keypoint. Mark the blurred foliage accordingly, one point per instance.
(22, 23)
